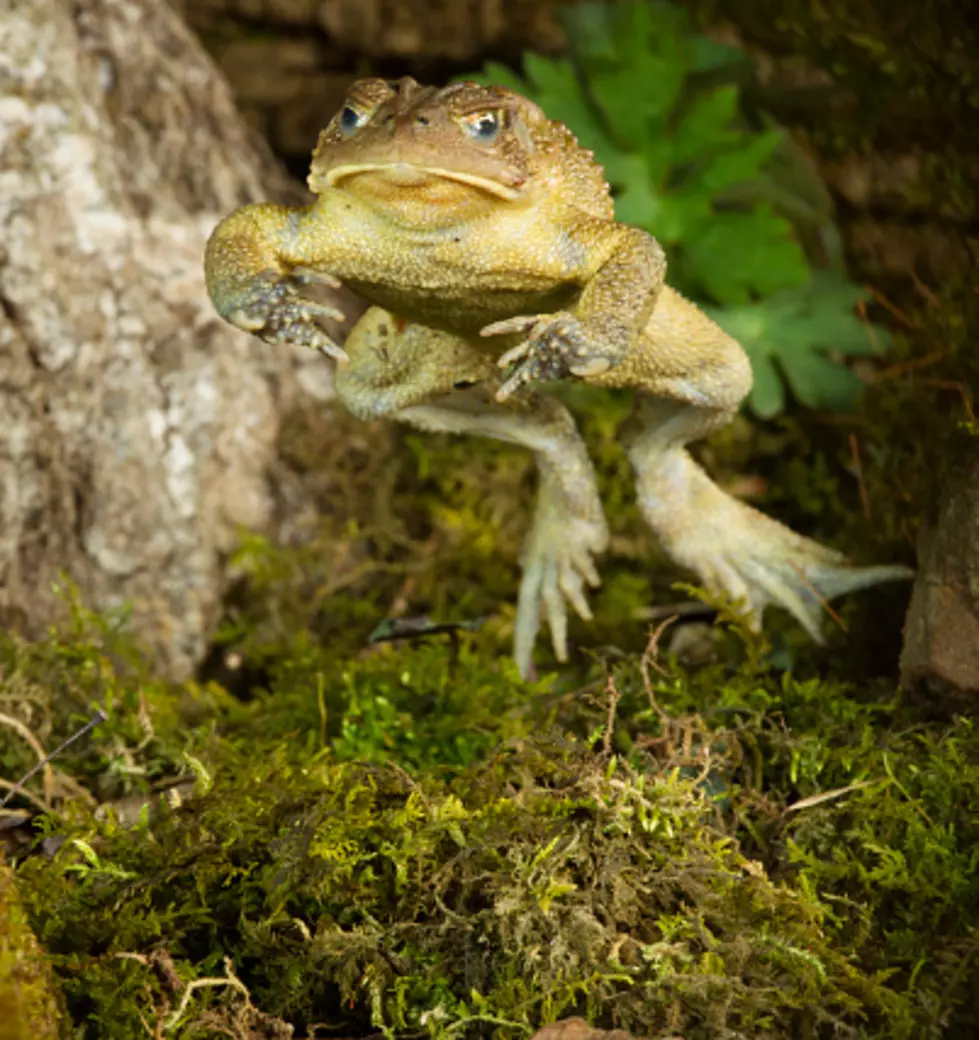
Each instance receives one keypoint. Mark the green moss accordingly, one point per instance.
(54, 686)
(28, 1005)
(416, 842)
(853, 795)
(544, 881)
(906, 845)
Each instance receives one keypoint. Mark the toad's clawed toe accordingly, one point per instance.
(557, 347)
(557, 566)
(273, 309)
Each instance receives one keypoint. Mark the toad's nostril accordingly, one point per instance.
(421, 120)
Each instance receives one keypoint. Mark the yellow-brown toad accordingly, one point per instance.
(485, 238)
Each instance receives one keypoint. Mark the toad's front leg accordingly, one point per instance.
(621, 275)
(256, 263)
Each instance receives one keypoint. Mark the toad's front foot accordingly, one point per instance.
(557, 565)
(737, 551)
(557, 346)
(273, 309)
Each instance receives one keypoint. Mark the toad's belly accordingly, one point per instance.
(463, 309)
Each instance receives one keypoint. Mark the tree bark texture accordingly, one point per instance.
(137, 431)
(456, 30)
(940, 659)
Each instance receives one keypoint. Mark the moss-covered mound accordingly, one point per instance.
(418, 844)
(28, 1007)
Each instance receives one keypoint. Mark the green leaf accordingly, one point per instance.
(627, 173)
(767, 398)
(792, 332)
(709, 118)
(738, 255)
(671, 218)
(589, 28)
(737, 166)
(557, 89)
(819, 383)
(637, 91)
(706, 55)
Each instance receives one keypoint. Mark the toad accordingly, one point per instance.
(484, 238)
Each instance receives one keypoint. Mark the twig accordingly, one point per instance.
(613, 703)
(868, 327)
(231, 980)
(98, 717)
(858, 466)
(823, 601)
(684, 609)
(139, 958)
(29, 795)
(828, 796)
(888, 306)
(960, 388)
(903, 367)
(651, 652)
(28, 737)
(925, 291)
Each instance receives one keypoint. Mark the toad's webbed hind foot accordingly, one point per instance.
(758, 561)
(569, 526)
(739, 551)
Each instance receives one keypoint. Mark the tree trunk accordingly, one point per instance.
(137, 431)
(940, 660)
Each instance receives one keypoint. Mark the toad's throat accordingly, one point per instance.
(410, 176)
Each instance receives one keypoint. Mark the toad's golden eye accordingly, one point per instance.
(351, 119)
(483, 126)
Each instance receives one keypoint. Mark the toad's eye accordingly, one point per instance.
(351, 119)
(483, 127)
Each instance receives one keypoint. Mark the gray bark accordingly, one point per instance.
(137, 431)
(460, 30)
(941, 639)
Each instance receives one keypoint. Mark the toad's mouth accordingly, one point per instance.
(409, 176)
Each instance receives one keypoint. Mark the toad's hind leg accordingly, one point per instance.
(568, 527)
(696, 377)
(439, 382)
